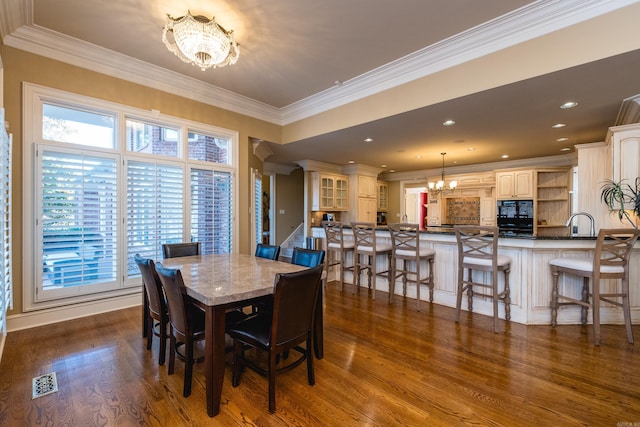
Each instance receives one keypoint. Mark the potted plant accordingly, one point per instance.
(622, 198)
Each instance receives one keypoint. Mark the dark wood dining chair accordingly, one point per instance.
(186, 320)
(610, 261)
(155, 306)
(267, 251)
(174, 250)
(289, 324)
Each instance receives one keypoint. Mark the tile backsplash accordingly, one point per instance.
(463, 210)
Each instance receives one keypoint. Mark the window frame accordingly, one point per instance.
(33, 98)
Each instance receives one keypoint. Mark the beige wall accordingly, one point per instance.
(290, 197)
(20, 66)
(393, 214)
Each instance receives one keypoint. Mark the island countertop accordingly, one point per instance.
(448, 230)
(530, 276)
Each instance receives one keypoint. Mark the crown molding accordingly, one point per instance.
(360, 169)
(317, 166)
(269, 168)
(531, 21)
(570, 159)
(14, 14)
(261, 149)
(61, 47)
(629, 111)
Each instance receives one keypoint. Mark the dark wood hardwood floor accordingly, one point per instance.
(384, 365)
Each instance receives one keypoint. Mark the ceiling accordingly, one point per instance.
(293, 52)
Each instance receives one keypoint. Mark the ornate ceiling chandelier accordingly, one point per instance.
(441, 186)
(200, 41)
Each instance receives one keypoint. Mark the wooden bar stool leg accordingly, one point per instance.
(626, 309)
(584, 311)
(554, 298)
(507, 295)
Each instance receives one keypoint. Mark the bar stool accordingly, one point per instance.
(405, 243)
(337, 248)
(610, 261)
(366, 252)
(478, 250)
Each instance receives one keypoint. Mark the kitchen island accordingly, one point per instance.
(530, 279)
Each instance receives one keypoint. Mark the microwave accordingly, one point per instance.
(515, 216)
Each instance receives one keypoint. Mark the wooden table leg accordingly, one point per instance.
(214, 357)
(318, 333)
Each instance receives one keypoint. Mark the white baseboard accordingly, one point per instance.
(59, 314)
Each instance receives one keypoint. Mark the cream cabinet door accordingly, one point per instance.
(514, 184)
(383, 197)
(367, 210)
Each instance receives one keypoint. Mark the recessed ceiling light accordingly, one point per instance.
(383, 166)
(392, 170)
(558, 125)
(449, 122)
(352, 161)
(565, 149)
(562, 139)
(505, 156)
(419, 156)
(368, 140)
(569, 104)
(471, 149)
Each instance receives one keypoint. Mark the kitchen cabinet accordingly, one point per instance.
(487, 211)
(383, 197)
(367, 186)
(514, 184)
(367, 210)
(329, 192)
(434, 214)
(551, 203)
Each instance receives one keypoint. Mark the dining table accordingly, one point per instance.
(221, 282)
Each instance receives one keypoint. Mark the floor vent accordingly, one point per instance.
(44, 384)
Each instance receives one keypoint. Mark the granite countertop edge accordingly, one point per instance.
(507, 235)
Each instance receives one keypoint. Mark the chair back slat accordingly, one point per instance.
(267, 251)
(334, 233)
(479, 242)
(307, 257)
(177, 301)
(175, 250)
(613, 247)
(152, 284)
(364, 234)
(404, 236)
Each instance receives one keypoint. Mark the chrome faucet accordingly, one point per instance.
(592, 229)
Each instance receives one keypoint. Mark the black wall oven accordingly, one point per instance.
(515, 216)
